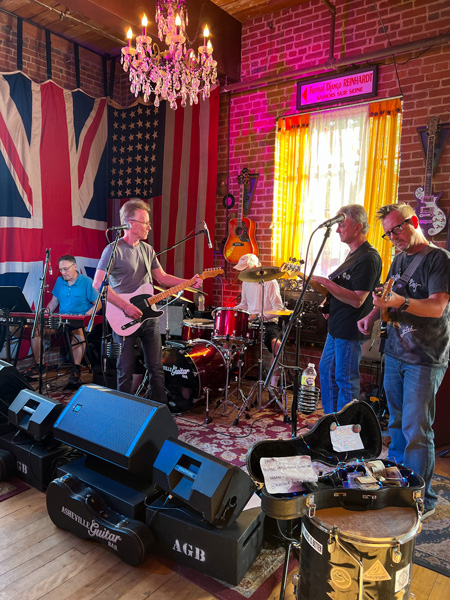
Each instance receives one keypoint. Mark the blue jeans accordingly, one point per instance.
(339, 373)
(410, 393)
(150, 338)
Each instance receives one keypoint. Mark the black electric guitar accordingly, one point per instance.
(431, 218)
(144, 299)
(384, 314)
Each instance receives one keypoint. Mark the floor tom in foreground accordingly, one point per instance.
(191, 368)
(197, 329)
(230, 324)
(351, 555)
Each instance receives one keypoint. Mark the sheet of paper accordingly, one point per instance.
(344, 439)
(284, 475)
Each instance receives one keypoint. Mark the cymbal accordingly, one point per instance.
(195, 291)
(279, 313)
(261, 273)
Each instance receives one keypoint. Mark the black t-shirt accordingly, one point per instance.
(364, 275)
(421, 340)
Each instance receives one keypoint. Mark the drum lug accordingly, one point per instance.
(296, 583)
(331, 546)
(396, 554)
(311, 506)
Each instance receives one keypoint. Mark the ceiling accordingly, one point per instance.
(101, 25)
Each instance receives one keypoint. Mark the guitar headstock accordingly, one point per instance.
(432, 126)
(292, 267)
(243, 176)
(387, 287)
(210, 273)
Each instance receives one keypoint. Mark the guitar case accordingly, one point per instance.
(75, 506)
(331, 489)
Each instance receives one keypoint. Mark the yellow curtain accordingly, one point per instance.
(291, 156)
(382, 170)
(291, 174)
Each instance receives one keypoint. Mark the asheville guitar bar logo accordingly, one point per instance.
(94, 529)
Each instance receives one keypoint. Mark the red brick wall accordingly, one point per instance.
(298, 38)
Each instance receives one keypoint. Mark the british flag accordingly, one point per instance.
(53, 180)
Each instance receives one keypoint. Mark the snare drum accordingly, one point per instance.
(197, 329)
(230, 324)
(191, 368)
(347, 555)
(253, 333)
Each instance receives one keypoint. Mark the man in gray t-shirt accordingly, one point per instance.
(134, 265)
(418, 340)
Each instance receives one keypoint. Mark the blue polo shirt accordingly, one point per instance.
(75, 299)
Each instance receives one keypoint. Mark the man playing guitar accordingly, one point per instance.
(135, 263)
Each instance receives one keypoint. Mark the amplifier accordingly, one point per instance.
(183, 536)
(314, 325)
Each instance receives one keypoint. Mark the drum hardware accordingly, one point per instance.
(229, 355)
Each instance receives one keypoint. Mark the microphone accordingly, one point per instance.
(120, 227)
(330, 222)
(50, 270)
(206, 232)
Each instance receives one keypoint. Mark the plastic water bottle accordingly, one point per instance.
(201, 302)
(308, 397)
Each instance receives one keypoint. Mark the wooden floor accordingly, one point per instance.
(39, 561)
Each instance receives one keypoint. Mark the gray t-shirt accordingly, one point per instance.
(128, 271)
(420, 340)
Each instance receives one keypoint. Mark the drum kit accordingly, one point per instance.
(199, 367)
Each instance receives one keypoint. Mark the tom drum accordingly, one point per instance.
(230, 324)
(194, 329)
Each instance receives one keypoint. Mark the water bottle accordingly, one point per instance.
(201, 302)
(308, 397)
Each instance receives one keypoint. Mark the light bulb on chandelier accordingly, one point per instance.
(178, 72)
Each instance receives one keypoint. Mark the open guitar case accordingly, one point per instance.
(330, 490)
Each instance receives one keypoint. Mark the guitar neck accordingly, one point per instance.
(173, 290)
(427, 189)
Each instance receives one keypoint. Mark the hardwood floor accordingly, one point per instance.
(39, 561)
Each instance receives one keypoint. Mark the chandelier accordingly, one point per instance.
(175, 73)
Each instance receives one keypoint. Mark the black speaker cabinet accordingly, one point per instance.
(35, 414)
(225, 554)
(11, 383)
(122, 429)
(217, 490)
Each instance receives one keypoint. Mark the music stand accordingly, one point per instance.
(12, 300)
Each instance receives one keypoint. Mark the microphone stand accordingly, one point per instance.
(296, 317)
(40, 315)
(181, 242)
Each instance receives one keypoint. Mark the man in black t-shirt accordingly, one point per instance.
(349, 288)
(418, 340)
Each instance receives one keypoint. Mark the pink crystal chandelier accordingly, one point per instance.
(177, 72)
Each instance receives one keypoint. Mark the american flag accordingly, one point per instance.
(168, 158)
(53, 180)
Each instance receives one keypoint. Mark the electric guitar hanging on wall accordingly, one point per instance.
(241, 237)
(431, 218)
(144, 299)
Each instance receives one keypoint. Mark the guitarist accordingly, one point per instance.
(349, 288)
(418, 340)
(134, 264)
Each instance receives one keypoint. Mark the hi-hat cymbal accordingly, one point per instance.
(261, 273)
(279, 313)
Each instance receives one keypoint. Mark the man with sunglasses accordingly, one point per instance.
(72, 294)
(418, 340)
(135, 263)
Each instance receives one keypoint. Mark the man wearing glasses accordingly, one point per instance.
(418, 340)
(134, 264)
(74, 295)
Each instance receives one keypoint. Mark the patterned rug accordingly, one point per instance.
(433, 542)
(11, 488)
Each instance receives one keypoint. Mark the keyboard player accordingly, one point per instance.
(72, 294)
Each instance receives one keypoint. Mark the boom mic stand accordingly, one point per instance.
(296, 318)
(40, 315)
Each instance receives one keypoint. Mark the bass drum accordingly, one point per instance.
(189, 369)
(350, 555)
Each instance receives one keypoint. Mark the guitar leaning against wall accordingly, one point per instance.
(241, 237)
(431, 218)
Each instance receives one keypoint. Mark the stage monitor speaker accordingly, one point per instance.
(122, 429)
(11, 383)
(209, 485)
(34, 414)
(172, 319)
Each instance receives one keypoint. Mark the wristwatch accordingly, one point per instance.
(405, 305)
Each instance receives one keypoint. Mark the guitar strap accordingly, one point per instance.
(401, 283)
(145, 257)
(363, 249)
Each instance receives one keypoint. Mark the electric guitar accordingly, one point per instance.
(294, 268)
(144, 299)
(241, 237)
(384, 314)
(431, 218)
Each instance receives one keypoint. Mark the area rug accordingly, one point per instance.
(11, 488)
(433, 542)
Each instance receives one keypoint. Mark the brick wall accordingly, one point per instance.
(298, 38)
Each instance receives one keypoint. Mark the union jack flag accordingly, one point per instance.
(53, 180)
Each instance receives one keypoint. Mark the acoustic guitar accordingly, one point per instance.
(431, 218)
(144, 299)
(241, 231)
